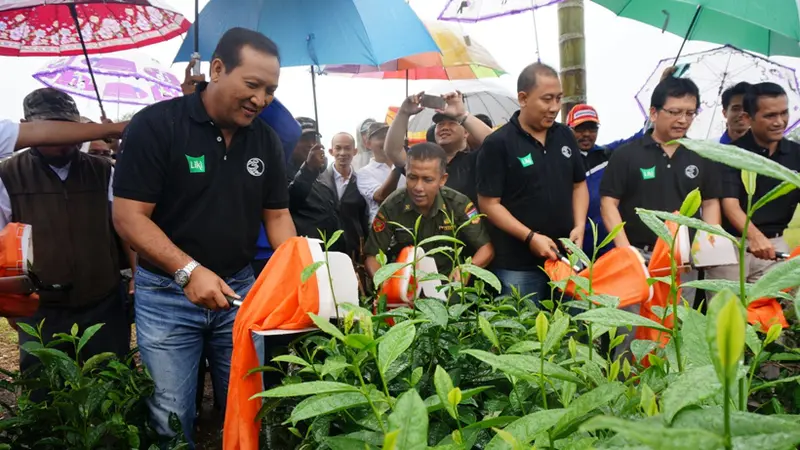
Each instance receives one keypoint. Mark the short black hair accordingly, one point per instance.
(527, 78)
(229, 47)
(739, 88)
(672, 87)
(427, 151)
(758, 90)
(485, 119)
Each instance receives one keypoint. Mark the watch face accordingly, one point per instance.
(181, 278)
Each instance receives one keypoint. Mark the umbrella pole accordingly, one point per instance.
(74, 13)
(406, 83)
(196, 26)
(314, 93)
(535, 34)
(688, 32)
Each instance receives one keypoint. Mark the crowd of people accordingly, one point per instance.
(199, 189)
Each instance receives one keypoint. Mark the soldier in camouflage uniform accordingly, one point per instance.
(442, 209)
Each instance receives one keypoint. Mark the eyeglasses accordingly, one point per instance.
(676, 113)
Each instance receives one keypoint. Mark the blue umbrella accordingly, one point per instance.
(314, 32)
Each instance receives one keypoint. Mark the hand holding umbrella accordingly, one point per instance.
(190, 80)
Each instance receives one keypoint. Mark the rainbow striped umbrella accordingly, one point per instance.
(459, 58)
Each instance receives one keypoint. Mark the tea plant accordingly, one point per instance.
(498, 373)
(94, 404)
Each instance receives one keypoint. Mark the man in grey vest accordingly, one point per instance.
(64, 195)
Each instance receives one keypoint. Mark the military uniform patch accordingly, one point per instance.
(379, 223)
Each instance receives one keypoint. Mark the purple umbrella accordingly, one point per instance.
(121, 80)
(472, 11)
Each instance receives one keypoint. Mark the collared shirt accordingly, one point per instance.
(370, 178)
(772, 218)
(61, 172)
(642, 175)
(209, 199)
(534, 181)
(340, 181)
(9, 133)
(398, 207)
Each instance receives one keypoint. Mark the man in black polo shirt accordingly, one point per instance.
(736, 121)
(197, 178)
(453, 126)
(532, 184)
(767, 109)
(648, 173)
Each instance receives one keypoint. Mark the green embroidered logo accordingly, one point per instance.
(196, 165)
(526, 160)
(648, 174)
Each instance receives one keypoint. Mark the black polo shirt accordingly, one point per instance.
(534, 181)
(772, 218)
(641, 175)
(461, 174)
(208, 201)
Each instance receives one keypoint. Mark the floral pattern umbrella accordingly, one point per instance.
(477, 10)
(127, 80)
(47, 28)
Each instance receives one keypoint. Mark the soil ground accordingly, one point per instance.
(209, 426)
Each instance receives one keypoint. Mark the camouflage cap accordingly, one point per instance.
(50, 104)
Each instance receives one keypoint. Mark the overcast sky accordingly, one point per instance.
(621, 55)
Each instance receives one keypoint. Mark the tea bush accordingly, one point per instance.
(94, 404)
(498, 373)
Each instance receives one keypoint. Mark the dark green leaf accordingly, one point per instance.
(410, 418)
(585, 404)
(291, 359)
(434, 310)
(739, 158)
(332, 240)
(328, 403)
(778, 191)
(655, 224)
(396, 341)
(525, 429)
(618, 318)
(691, 388)
(88, 335)
(386, 272)
(691, 222)
(482, 274)
(308, 388)
(656, 437)
(748, 430)
(525, 367)
(325, 325)
(96, 360)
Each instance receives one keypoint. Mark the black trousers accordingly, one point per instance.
(114, 336)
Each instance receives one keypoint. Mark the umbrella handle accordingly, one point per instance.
(74, 13)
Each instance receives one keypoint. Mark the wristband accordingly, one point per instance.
(400, 170)
(463, 119)
(529, 238)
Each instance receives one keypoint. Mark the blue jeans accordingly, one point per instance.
(171, 333)
(527, 282)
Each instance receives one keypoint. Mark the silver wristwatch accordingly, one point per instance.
(182, 276)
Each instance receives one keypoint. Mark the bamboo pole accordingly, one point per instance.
(572, 49)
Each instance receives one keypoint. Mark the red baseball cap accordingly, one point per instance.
(581, 114)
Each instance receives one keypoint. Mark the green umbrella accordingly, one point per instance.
(769, 27)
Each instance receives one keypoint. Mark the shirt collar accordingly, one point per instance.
(748, 141)
(438, 204)
(515, 122)
(339, 176)
(197, 110)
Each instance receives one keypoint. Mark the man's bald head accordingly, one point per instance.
(343, 149)
(338, 137)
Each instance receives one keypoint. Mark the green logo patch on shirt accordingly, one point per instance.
(526, 160)
(648, 174)
(196, 164)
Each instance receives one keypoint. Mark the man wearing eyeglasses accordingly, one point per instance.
(653, 173)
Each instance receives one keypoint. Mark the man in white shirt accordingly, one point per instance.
(379, 178)
(364, 154)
